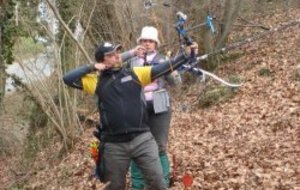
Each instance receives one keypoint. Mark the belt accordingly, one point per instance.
(121, 138)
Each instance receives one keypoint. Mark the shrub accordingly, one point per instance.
(27, 47)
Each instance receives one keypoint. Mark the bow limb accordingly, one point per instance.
(204, 72)
(219, 79)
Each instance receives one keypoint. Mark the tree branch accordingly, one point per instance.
(65, 26)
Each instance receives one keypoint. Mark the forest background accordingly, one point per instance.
(224, 138)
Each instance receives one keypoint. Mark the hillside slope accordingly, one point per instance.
(250, 141)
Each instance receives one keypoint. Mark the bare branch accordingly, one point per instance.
(56, 13)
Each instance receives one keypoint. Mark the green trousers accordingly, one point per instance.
(137, 179)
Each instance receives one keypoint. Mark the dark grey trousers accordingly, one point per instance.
(159, 126)
(143, 150)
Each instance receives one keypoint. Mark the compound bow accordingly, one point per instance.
(185, 39)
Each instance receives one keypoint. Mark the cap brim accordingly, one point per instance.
(116, 48)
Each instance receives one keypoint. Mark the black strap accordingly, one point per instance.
(154, 61)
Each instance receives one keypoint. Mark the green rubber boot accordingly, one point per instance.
(137, 179)
(166, 167)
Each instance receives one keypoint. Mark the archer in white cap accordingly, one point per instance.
(157, 99)
(149, 34)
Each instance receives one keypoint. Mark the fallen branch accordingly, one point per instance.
(253, 24)
(247, 25)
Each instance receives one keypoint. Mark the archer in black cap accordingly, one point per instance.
(105, 49)
(125, 132)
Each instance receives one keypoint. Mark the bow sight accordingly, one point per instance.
(182, 32)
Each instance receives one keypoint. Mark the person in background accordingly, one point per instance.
(157, 98)
(125, 134)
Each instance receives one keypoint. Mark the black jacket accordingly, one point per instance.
(120, 96)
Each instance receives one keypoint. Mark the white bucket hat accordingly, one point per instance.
(149, 33)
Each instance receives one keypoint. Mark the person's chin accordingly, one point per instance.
(117, 65)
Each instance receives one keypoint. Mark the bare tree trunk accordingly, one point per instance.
(207, 39)
(2, 61)
(68, 49)
(62, 114)
(67, 13)
(6, 42)
(231, 11)
(104, 24)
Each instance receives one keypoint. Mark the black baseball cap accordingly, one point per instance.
(104, 49)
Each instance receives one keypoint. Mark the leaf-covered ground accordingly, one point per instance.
(251, 141)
